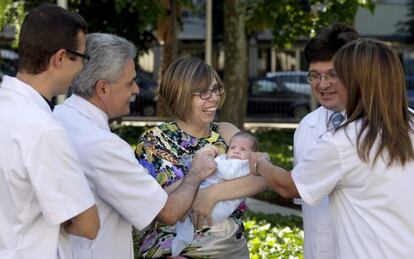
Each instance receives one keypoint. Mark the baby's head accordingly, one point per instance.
(241, 145)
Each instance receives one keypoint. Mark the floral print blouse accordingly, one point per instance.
(166, 152)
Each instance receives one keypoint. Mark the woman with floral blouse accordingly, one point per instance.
(192, 92)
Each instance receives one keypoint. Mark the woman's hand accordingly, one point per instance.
(202, 207)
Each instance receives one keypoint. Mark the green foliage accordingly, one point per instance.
(135, 19)
(279, 145)
(128, 133)
(268, 236)
(132, 19)
(4, 15)
(12, 14)
(126, 18)
(290, 19)
(273, 235)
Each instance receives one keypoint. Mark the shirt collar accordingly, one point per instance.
(51, 105)
(316, 116)
(89, 110)
(323, 115)
(20, 87)
(331, 112)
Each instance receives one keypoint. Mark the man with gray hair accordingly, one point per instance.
(126, 194)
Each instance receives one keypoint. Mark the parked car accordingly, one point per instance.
(272, 97)
(145, 103)
(293, 80)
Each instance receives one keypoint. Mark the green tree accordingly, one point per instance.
(11, 14)
(288, 19)
(133, 20)
(144, 22)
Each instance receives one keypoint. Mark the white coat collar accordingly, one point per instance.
(89, 110)
(20, 87)
(320, 114)
(315, 117)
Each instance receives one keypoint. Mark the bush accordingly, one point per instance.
(130, 134)
(273, 235)
(279, 145)
(268, 236)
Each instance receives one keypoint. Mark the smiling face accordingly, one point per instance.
(203, 111)
(240, 148)
(122, 91)
(330, 93)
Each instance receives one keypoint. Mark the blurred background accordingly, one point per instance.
(255, 45)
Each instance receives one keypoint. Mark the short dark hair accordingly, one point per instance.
(324, 45)
(44, 31)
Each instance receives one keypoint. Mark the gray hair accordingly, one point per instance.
(108, 55)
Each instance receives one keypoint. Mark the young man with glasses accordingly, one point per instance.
(331, 95)
(43, 189)
(85, 57)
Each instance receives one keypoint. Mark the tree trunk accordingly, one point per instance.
(235, 64)
(167, 27)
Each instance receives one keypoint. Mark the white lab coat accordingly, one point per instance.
(319, 238)
(371, 205)
(41, 182)
(126, 194)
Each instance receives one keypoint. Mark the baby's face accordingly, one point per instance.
(240, 148)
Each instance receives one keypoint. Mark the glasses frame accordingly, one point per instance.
(329, 77)
(217, 89)
(85, 57)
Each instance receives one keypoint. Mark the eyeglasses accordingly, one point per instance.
(314, 78)
(85, 57)
(206, 93)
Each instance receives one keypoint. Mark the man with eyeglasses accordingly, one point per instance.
(127, 195)
(44, 193)
(331, 95)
